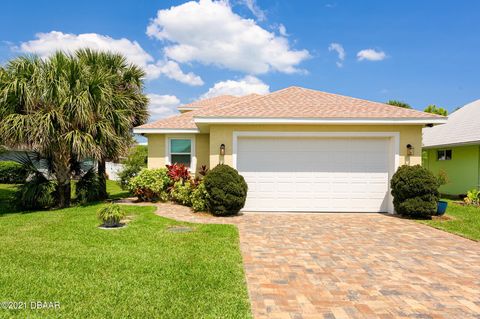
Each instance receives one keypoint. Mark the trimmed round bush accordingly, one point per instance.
(415, 191)
(226, 189)
(12, 173)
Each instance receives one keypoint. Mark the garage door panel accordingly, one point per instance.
(315, 174)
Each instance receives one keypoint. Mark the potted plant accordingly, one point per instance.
(442, 205)
(111, 215)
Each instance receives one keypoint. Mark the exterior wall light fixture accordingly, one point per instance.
(410, 149)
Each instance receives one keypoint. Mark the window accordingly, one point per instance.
(444, 155)
(181, 151)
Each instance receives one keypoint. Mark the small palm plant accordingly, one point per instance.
(473, 197)
(111, 215)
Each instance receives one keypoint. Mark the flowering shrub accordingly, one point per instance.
(150, 184)
(199, 198)
(181, 193)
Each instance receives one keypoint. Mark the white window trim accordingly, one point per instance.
(193, 157)
(394, 138)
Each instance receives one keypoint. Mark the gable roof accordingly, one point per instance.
(462, 127)
(293, 103)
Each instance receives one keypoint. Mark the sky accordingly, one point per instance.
(420, 52)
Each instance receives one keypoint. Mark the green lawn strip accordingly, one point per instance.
(465, 221)
(141, 270)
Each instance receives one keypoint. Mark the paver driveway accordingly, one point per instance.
(352, 266)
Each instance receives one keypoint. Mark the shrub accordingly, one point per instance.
(178, 172)
(87, 188)
(12, 173)
(199, 198)
(181, 193)
(111, 215)
(226, 189)
(415, 191)
(37, 193)
(150, 185)
(133, 164)
(473, 197)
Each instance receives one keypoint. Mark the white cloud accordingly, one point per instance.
(209, 32)
(172, 70)
(371, 55)
(46, 44)
(337, 47)
(282, 30)
(255, 9)
(244, 86)
(161, 106)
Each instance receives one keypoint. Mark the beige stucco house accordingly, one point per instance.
(298, 149)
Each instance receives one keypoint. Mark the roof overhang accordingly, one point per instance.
(186, 109)
(452, 144)
(326, 121)
(140, 130)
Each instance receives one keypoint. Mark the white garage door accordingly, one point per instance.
(315, 174)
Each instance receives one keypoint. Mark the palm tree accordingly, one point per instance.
(67, 110)
(43, 106)
(118, 103)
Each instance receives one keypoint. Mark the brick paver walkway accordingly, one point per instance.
(351, 266)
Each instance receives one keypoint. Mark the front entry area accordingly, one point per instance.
(315, 173)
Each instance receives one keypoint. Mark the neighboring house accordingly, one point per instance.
(454, 148)
(298, 149)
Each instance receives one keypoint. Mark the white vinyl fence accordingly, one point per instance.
(112, 170)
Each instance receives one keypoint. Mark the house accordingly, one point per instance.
(454, 149)
(298, 149)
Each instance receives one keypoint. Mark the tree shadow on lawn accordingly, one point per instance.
(7, 193)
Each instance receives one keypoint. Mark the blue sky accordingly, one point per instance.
(420, 52)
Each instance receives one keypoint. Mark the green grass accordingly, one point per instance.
(115, 191)
(465, 221)
(139, 271)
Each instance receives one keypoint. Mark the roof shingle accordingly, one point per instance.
(296, 102)
(292, 102)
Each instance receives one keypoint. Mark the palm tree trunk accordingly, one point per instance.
(102, 180)
(64, 193)
(62, 173)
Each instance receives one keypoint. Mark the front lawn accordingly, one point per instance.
(140, 271)
(465, 221)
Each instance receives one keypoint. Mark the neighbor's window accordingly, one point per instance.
(444, 155)
(181, 151)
